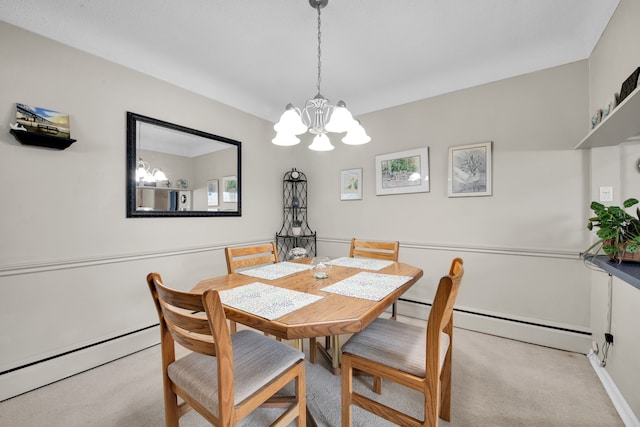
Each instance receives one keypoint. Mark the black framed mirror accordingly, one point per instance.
(175, 171)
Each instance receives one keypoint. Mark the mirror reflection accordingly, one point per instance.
(177, 171)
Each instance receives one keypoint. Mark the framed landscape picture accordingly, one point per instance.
(43, 120)
(470, 170)
(351, 184)
(403, 172)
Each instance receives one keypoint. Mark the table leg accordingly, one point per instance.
(335, 360)
(334, 356)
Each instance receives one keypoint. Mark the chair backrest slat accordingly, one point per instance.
(182, 314)
(379, 250)
(250, 256)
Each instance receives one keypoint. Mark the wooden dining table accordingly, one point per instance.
(331, 315)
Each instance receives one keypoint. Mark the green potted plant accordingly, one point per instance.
(296, 227)
(619, 232)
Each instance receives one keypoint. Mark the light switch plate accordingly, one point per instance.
(606, 194)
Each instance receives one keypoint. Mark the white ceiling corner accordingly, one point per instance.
(259, 55)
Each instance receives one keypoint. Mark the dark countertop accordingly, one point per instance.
(627, 271)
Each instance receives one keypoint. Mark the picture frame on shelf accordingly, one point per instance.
(212, 192)
(470, 170)
(403, 172)
(230, 189)
(351, 184)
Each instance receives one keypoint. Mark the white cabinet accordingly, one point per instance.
(163, 199)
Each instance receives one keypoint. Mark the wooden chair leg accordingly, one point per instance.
(171, 409)
(301, 395)
(445, 388)
(232, 327)
(347, 390)
(431, 403)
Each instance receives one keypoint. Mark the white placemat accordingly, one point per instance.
(362, 263)
(275, 271)
(266, 301)
(365, 285)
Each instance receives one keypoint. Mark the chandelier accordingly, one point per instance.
(318, 116)
(145, 175)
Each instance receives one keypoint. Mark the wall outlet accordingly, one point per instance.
(608, 338)
(606, 194)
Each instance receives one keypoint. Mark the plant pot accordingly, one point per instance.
(296, 230)
(623, 256)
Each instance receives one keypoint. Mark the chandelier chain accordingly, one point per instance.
(319, 49)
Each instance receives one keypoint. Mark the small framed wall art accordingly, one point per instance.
(470, 170)
(229, 189)
(351, 184)
(403, 172)
(212, 192)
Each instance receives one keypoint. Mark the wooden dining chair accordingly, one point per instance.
(225, 377)
(249, 256)
(378, 250)
(407, 355)
(365, 249)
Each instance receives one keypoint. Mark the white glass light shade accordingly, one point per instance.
(159, 175)
(142, 170)
(140, 173)
(290, 122)
(148, 178)
(321, 143)
(285, 139)
(341, 119)
(356, 136)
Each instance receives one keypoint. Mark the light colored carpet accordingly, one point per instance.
(496, 382)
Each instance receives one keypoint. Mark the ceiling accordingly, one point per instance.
(258, 55)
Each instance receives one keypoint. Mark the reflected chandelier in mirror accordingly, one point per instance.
(171, 168)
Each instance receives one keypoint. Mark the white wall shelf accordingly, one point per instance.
(619, 126)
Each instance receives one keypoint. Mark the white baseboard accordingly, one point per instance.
(548, 336)
(619, 402)
(38, 375)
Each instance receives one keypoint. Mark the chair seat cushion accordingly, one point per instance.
(395, 344)
(257, 360)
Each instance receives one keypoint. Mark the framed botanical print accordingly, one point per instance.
(470, 170)
(351, 184)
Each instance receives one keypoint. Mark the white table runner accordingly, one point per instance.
(269, 302)
(275, 271)
(365, 285)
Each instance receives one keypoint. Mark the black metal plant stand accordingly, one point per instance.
(295, 231)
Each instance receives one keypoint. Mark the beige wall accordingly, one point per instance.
(68, 251)
(521, 244)
(612, 61)
(68, 248)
